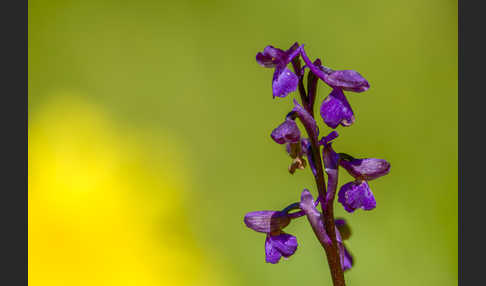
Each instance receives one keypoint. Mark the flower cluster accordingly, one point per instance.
(305, 149)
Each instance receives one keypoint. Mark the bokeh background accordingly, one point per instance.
(149, 127)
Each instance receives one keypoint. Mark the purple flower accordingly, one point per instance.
(284, 81)
(349, 80)
(287, 132)
(335, 110)
(276, 246)
(358, 194)
(354, 195)
(277, 242)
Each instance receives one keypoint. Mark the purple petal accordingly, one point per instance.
(266, 60)
(366, 169)
(347, 260)
(307, 204)
(349, 80)
(336, 110)
(272, 255)
(271, 57)
(284, 82)
(291, 53)
(356, 195)
(331, 136)
(276, 53)
(266, 221)
(330, 158)
(307, 120)
(287, 132)
(285, 243)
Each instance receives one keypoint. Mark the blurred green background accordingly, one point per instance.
(149, 126)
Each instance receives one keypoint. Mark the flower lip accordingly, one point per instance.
(366, 169)
(335, 110)
(287, 132)
(276, 246)
(266, 221)
(284, 81)
(354, 195)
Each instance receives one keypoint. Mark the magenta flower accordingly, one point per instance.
(277, 242)
(335, 109)
(284, 81)
(357, 194)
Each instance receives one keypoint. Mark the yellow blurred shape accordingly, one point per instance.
(94, 215)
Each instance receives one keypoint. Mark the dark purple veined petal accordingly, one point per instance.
(287, 132)
(366, 169)
(336, 110)
(349, 80)
(284, 82)
(356, 195)
(266, 221)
